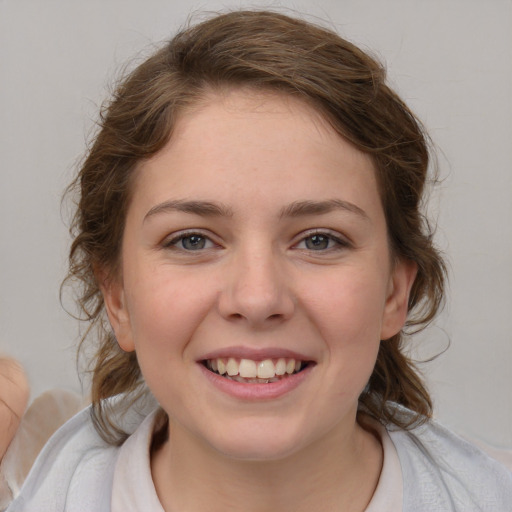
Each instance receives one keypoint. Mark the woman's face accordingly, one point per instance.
(256, 244)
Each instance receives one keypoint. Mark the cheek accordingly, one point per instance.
(165, 310)
(347, 312)
(349, 307)
(165, 314)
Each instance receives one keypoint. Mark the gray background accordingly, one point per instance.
(450, 59)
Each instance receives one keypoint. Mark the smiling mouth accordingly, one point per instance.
(249, 371)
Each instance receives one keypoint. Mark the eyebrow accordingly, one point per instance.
(302, 208)
(203, 208)
(295, 209)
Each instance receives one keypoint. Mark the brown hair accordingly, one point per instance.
(268, 51)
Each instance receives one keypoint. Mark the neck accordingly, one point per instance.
(340, 472)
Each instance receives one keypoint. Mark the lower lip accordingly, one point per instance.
(247, 391)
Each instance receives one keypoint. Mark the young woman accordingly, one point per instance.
(250, 244)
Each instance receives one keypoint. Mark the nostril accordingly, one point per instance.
(239, 316)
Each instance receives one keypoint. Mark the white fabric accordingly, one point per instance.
(443, 472)
(133, 489)
(388, 497)
(78, 472)
(46, 414)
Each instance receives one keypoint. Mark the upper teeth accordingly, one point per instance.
(249, 369)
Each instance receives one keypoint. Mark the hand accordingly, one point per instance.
(14, 394)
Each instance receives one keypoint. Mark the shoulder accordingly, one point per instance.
(74, 458)
(74, 471)
(442, 471)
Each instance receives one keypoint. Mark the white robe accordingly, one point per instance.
(77, 472)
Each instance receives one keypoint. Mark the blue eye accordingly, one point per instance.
(191, 242)
(320, 242)
(317, 242)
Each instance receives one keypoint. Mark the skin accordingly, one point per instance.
(257, 282)
(14, 394)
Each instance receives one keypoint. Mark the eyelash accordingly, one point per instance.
(339, 242)
(172, 243)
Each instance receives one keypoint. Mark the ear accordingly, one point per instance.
(118, 314)
(397, 300)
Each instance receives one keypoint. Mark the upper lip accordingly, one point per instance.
(255, 354)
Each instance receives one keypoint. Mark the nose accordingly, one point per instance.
(257, 290)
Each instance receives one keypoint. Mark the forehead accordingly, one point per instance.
(246, 143)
